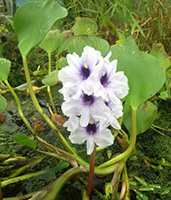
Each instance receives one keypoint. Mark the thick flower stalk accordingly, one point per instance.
(92, 91)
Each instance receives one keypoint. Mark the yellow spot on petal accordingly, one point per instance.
(91, 122)
(103, 73)
(85, 65)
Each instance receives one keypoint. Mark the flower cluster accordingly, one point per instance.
(92, 90)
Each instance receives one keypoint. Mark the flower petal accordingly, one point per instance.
(90, 145)
(78, 136)
(72, 123)
(104, 138)
(85, 116)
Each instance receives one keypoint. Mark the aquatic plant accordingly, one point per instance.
(100, 86)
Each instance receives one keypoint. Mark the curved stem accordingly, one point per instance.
(48, 146)
(19, 106)
(56, 187)
(21, 178)
(131, 146)
(40, 110)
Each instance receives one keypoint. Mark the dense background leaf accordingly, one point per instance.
(33, 21)
(84, 26)
(77, 44)
(51, 41)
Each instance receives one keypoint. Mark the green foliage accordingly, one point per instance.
(159, 52)
(84, 26)
(51, 41)
(145, 73)
(4, 68)
(33, 21)
(146, 115)
(51, 79)
(25, 140)
(115, 20)
(77, 44)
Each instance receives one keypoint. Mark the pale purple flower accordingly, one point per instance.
(92, 134)
(86, 106)
(114, 85)
(80, 73)
(115, 113)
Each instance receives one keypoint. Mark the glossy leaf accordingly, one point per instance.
(51, 79)
(146, 115)
(78, 43)
(24, 139)
(4, 68)
(33, 20)
(3, 103)
(84, 26)
(145, 73)
(159, 52)
(51, 41)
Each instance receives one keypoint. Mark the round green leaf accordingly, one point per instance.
(3, 102)
(146, 114)
(24, 139)
(51, 41)
(77, 44)
(51, 79)
(145, 73)
(33, 20)
(84, 26)
(4, 68)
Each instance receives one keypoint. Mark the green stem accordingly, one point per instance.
(131, 146)
(22, 115)
(21, 178)
(48, 87)
(91, 171)
(85, 197)
(56, 187)
(19, 106)
(164, 129)
(25, 167)
(40, 110)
